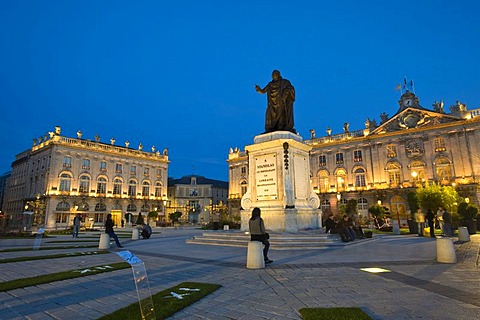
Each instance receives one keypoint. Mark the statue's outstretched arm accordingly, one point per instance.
(260, 90)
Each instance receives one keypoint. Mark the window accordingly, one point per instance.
(99, 217)
(360, 178)
(117, 186)
(391, 151)
(118, 168)
(133, 170)
(145, 208)
(244, 170)
(158, 189)
(103, 166)
(393, 171)
(101, 185)
(322, 160)
(357, 156)
(131, 208)
(341, 177)
(132, 188)
(194, 192)
(339, 157)
(84, 184)
(65, 182)
(145, 188)
(86, 164)
(63, 206)
(159, 173)
(146, 172)
(67, 162)
(362, 206)
(62, 217)
(100, 207)
(417, 171)
(83, 206)
(323, 185)
(439, 144)
(325, 206)
(443, 170)
(243, 186)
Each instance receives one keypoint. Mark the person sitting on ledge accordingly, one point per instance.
(341, 228)
(330, 223)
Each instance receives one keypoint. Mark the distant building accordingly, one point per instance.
(3, 183)
(61, 176)
(199, 199)
(382, 163)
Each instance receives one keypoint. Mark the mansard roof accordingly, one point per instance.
(200, 180)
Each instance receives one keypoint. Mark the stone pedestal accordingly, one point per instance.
(463, 234)
(446, 250)
(135, 234)
(279, 184)
(104, 242)
(255, 255)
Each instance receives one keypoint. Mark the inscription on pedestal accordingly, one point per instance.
(266, 177)
(302, 185)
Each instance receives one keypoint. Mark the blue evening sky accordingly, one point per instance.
(181, 74)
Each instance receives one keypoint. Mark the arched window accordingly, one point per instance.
(101, 185)
(443, 170)
(117, 206)
(117, 186)
(131, 208)
(393, 172)
(132, 188)
(100, 207)
(243, 187)
(63, 206)
(158, 189)
(145, 188)
(65, 182)
(417, 170)
(360, 178)
(341, 179)
(145, 208)
(83, 206)
(323, 184)
(84, 186)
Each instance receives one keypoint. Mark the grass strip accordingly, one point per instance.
(58, 276)
(333, 314)
(53, 256)
(47, 248)
(167, 302)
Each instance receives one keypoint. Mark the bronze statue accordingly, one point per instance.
(281, 95)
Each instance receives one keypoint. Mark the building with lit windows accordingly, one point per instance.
(61, 176)
(381, 163)
(199, 199)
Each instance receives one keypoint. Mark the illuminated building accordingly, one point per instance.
(382, 163)
(61, 176)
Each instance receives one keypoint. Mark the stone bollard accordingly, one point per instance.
(226, 227)
(446, 250)
(104, 242)
(255, 255)
(135, 234)
(396, 227)
(463, 234)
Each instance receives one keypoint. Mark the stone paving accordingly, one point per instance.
(417, 287)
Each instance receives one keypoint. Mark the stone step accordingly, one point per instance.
(278, 241)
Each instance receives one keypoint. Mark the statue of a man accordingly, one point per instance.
(281, 95)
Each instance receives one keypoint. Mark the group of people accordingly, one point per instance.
(443, 220)
(345, 228)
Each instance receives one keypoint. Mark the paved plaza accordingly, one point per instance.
(417, 287)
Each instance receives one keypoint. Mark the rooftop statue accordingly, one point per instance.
(281, 95)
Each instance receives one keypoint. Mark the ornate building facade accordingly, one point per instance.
(61, 176)
(381, 163)
(199, 199)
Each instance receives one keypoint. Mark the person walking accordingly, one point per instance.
(109, 229)
(420, 219)
(440, 220)
(431, 222)
(76, 225)
(258, 233)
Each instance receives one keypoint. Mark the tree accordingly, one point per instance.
(174, 216)
(434, 196)
(412, 201)
(377, 211)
